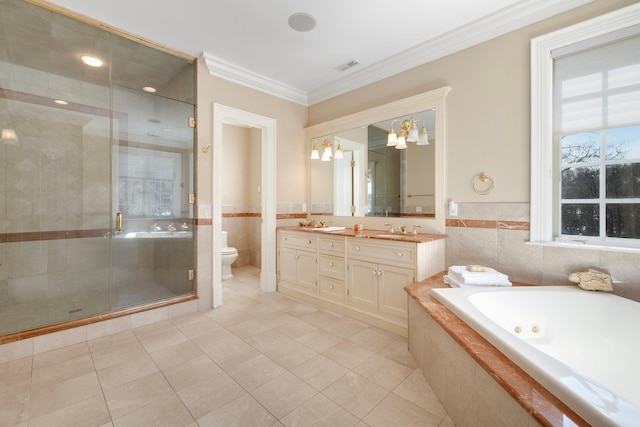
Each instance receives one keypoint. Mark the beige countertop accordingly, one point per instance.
(373, 234)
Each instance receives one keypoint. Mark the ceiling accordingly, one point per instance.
(251, 43)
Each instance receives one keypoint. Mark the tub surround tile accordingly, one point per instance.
(534, 398)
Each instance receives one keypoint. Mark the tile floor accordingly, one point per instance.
(262, 359)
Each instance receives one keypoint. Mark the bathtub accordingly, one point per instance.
(581, 346)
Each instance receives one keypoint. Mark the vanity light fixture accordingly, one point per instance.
(338, 154)
(407, 132)
(92, 61)
(9, 137)
(315, 155)
(327, 152)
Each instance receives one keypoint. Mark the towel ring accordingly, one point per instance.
(480, 179)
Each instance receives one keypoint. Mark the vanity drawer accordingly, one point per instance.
(332, 289)
(300, 240)
(331, 266)
(385, 252)
(334, 245)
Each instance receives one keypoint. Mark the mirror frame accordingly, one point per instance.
(431, 100)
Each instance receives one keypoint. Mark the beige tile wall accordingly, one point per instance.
(469, 394)
(507, 251)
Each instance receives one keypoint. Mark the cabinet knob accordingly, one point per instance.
(331, 244)
(331, 287)
(374, 272)
(357, 247)
(379, 273)
(400, 254)
(297, 257)
(331, 264)
(309, 241)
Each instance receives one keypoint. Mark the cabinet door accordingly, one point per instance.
(307, 271)
(392, 299)
(287, 265)
(362, 290)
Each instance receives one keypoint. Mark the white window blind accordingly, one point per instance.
(597, 87)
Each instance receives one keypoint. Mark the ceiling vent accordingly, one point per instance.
(347, 65)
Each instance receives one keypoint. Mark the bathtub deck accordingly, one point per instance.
(544, 407)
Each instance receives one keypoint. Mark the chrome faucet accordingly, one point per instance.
(387, 224)
(155, 227)
(403, 229)
(415, 229)
(171, 227)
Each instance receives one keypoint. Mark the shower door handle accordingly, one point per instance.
(119, 221)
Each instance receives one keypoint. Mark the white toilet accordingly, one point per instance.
(229, 256)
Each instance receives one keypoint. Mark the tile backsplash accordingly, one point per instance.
(497, 235)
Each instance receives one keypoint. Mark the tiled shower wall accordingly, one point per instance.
(496, 235)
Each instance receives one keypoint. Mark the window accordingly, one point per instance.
(585, 182)
(148, 183)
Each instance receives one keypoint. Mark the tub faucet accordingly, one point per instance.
(387, 224)
(155, 227)
(171, 227)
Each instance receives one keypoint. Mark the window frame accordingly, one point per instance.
(543, 162)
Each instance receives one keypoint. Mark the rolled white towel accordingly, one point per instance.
(451, 281)
(487, 277)
(328, 229)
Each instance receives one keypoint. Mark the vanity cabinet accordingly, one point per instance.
(297, 261)
(360, 277)
(331, 268)
(379, 286)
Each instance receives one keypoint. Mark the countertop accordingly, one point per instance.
(544, 406)
(373, 234)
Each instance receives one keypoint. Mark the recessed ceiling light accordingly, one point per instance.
(61, 102)
(302, 22)
(91, 60)
(149, 89)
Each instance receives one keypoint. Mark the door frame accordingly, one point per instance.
(223, 114)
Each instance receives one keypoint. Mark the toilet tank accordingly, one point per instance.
(224, 243)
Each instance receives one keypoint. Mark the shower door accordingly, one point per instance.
(152, 248)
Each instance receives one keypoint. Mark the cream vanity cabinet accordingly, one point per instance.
(297, 261)
(331, 268)
(377, 275)
(362, 278)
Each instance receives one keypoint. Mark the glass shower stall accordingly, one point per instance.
(96, 170)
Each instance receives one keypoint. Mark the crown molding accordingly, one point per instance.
(476, 32)
(492, 26)
(228, 71)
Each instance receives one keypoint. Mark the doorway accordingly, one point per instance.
(228, 115)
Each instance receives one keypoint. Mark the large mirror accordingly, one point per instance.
(383, 162)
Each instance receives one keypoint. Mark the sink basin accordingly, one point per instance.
(393, 236)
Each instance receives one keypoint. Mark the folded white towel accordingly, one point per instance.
(329, 229)
(487, 277)
(451, 281)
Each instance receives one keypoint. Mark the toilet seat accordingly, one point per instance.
(229, 251)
